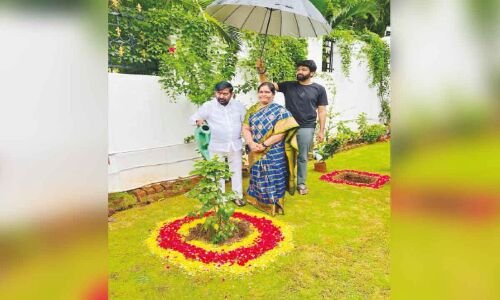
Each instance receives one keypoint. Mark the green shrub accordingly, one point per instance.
(208, 192)
(120, 201)
(342, 139)
(362, 122)
(345, 134)
(373, 132)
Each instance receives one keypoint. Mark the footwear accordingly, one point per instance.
(239, 202)
(302, 189)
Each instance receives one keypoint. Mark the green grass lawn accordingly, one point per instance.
(340, 233)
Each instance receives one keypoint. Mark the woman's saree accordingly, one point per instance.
(272, 172)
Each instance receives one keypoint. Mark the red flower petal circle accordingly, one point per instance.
(380, 179)
(270, 236)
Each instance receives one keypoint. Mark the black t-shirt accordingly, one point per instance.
(303, 100)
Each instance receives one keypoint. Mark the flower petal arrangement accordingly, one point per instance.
(268, 239)
(377, 180)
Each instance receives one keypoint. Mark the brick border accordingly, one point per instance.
(159, 190)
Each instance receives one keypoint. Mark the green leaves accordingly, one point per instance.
(357, 15)
(176, 40)
(205, 53)
(326, 149)
(362, 122)
(280, 56)
(345, 134)
(212, 198)
(358, 9)
(373, 133)
(369, 133)
(344, 39)
(377, 54)
(200, 61)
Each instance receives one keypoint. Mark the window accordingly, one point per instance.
(327, 65)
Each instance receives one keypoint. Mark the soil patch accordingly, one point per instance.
(243, 229)
(356, 178)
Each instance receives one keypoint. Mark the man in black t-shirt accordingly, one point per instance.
(306, 101)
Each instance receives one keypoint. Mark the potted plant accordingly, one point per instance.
(322, 152)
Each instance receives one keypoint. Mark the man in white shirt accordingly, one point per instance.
(225, 116)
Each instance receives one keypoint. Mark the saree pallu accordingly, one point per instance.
(272, 172)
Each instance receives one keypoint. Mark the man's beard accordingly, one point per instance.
(222, 101)
(301, 77)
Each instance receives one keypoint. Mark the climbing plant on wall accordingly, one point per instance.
(378, 57)
(376, 53)
(198, 60)
(280, 57)
(365, 21)
(344, 39)
(188, 49)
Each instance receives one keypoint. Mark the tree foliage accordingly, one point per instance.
(176, 40)
(208, 192)
(358, 15)
(280, 57)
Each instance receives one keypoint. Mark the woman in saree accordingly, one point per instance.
(269, 131)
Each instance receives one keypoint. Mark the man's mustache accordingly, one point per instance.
(222, 101)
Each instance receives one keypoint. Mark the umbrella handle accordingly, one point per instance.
(265, 34)
(263, 46)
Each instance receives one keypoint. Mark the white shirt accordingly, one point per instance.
(225, 124)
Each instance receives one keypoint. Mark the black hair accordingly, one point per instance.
(224, 85)
(270, 85)
(307, 63)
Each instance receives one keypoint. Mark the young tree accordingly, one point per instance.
(219, 226)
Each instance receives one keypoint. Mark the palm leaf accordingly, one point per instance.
(321, 5)
(230, 34)
(358, 9)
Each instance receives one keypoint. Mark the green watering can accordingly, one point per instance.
(202, 138)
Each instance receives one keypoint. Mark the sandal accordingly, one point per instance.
(302, 189)
(239, 202)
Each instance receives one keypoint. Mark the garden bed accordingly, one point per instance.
(356, 178)
(340, 241)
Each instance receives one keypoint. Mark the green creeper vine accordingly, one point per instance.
(344, 40)
(200, 59)
(378, 56)
(180, 45)
(196, 65)
(280, 56)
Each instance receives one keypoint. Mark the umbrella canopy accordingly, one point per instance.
(297, 18)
